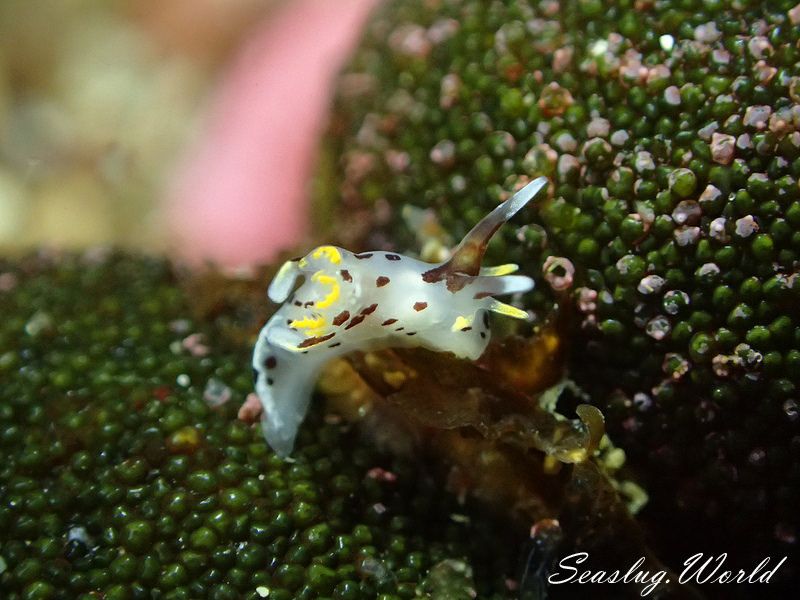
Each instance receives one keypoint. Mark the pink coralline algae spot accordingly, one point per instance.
(558, 272)
(744, 142)
(651, 284)
(658, 73)
(705, 133)
(380, 474)
(195, 345)
(449, 90)
(241, 196)
(216, 393)
(631, 424)
(562, 58)
(396, 160)
(686, 236)
(794, 15)
(598, 127)
(672, 95)
(410, 40)
(687, 212)
(717, 231)
(619, 137)
(746, 226)
(8, 281)
(757, 116)
(675, 365)
(707, 33)
(721, 56)
(442, 30)
(658, 327)
(764, 72)
(162, 392)
(250, 411)
(555, 100)
(443, 153)
(722, 148)
(587, 300)
(759, 47)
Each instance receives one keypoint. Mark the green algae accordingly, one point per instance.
(125, 475)
(671, 135)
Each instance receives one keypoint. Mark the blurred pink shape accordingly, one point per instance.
(242, 195)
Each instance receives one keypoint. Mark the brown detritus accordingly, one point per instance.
(490, 439)
(347, 394)
(480, 469)
(444, 393)
(528, 365)
(594, 520)
(215, 296)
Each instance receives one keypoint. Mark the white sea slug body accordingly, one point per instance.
(376, 300)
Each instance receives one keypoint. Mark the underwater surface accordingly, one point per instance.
(646, 409)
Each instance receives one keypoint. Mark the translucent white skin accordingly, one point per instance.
(376, 300)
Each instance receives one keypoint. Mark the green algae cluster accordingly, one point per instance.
(670, 131)
(125, 475)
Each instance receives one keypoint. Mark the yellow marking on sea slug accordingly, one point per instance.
(328, 280)
(508, 310)
(313, 324)
(461, 322)
(500, 270)
(329, 252)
